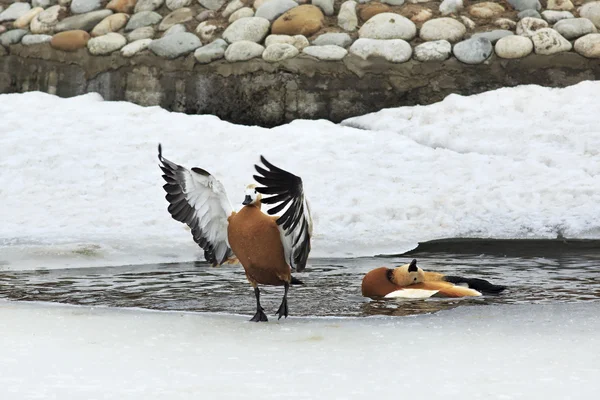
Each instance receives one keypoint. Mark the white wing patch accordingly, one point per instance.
(199, 200)
(411, 294)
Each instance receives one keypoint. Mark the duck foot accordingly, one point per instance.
(260, 315)
(283, 308)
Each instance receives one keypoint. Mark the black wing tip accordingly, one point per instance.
(159, 151)
(270, 166)
(264, 161)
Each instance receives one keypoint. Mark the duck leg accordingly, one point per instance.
(260, 315)
(283, 308)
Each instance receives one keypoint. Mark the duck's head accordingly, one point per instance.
(252, 196)
(406, 274)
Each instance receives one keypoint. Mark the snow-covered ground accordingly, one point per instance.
(493, 352)
(80, 185)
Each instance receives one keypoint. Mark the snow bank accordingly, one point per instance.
(493, 352)
(80, 183)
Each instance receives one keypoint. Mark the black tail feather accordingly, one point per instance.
(296, 281)
(481, 285)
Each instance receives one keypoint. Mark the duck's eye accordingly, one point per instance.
(255, 192)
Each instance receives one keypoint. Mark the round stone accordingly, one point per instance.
(560, 5)
(369, 10)
(529, 13)
(443, 29)
(252, 29)
(514, 46)
(347, 18)
(547, 41)
(121, 6)
(175, 45)
(148, 5)
(135, 47)
(12, 37)
(486, 10)
(243, 50)
(388, 26)
(505, 23)
(274, 8)
(528, 26)
(554, 16)
(340, 39)
(521, 5)
(85, 22)
(175, 29)
(279, 52)
(206, 31)
(493, 36)
(451, 7)
(574, 27)
(30, 40)
(325, 5)
(244, 12)
(177, 4)
(212, 4)
(70, 40)
(46, 3)
(24, 20)
(211, 52)
(588, 45)
(326, 52)
(112, 23)
(302, 20)
(298, 41)
(45, 21)
(422, 16)
(103, 45)
(85, 6)
(143, 18)
(205, 15)
(392, 50)
(178, 16)
(591, 11)
(14, 11)
(473, 51)
(232, 7)
(145, 32)
(438, 50)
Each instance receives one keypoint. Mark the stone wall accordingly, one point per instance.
(268, 62)
(264, 93)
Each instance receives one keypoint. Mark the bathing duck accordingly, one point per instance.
(410, 281)
(267, 246)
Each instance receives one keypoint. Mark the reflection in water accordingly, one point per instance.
(332, 287)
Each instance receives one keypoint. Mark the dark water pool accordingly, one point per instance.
(332, 286)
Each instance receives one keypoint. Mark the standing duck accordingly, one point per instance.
(267, 246)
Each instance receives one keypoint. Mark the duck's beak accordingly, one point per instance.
(247, 200)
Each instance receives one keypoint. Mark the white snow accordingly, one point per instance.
(80, 184)
(486, 352)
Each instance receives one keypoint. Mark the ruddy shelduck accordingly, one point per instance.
(410, 281)
(267, 246)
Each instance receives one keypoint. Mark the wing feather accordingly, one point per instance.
(295, 224)
(199, 200)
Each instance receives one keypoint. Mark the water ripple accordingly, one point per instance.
(332, 286)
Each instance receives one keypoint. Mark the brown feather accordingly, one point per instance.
(255, 240)
(376, 284)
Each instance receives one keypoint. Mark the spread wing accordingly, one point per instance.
(199, 200)
(295, 224)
